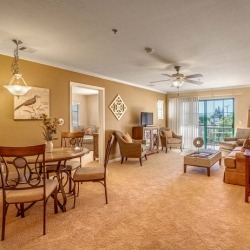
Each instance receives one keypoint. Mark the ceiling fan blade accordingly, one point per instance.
(194, 76)
(161, 81)
(167, 75)
(194, 82)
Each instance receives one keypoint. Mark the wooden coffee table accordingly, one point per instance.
(205, 158)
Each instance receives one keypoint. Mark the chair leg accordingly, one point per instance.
(166, 149)
(44, 217)
(55, 202)
(5, 208)
(74, 193)
(106, 194)
(122, 160)
(145, 156)
(140, 161)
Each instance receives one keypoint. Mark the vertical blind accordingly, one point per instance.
(183, 118)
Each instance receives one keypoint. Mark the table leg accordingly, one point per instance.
(208, 171)
(185, 168)
(61, 187)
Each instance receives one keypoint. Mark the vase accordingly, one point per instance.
(49, 146)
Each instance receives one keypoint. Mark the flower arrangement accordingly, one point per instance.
(49, 127)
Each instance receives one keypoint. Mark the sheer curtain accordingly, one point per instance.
(183, 118)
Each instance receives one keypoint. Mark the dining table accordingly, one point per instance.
(60, 156)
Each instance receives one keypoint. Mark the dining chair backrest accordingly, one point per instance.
(22, 167)
(22, 171)
(72, 139)
(108, 149)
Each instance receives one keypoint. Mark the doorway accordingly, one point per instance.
(100, 106)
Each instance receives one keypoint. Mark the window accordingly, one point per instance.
(160, 105)
(216, 120)
(75, 114)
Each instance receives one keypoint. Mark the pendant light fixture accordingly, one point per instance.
(14, 86)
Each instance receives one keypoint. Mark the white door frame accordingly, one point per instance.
(101, 115)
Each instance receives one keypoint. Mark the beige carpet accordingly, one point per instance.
(155, 206)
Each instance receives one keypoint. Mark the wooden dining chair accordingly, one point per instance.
(94, 174)
(23, 180)
(70, 140)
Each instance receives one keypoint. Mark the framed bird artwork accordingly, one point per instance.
(31, 105)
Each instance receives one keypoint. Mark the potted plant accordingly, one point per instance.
(49, 130)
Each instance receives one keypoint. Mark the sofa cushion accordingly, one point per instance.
(229, 145)
(230, 162)
(242, 133)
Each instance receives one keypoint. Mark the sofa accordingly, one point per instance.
(88, 136)
(230, 143)
(234, 164)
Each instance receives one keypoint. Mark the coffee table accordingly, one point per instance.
(203, 158)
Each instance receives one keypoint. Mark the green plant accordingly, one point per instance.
(49, 127)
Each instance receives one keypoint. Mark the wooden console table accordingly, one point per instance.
(150, 134)
(95, 145)
(247, 174)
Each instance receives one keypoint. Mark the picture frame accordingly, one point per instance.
(31, 105)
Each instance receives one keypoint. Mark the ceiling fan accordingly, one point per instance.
(178, 79)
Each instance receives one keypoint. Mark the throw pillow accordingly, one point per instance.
(168, 133)
(127, 138)
(246, 144)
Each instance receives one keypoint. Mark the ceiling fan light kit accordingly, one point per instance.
(177, 80)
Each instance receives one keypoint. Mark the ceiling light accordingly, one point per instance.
(14, 86)
(177, 82)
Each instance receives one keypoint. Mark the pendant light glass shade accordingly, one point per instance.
(177, 83)
(15, 86)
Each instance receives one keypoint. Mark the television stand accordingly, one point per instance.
(150, 134)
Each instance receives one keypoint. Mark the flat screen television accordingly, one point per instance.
(146, 118)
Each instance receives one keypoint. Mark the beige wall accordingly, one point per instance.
(88, 111)
(58, 81)
(240, 95)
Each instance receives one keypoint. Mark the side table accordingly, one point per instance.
(247, 174)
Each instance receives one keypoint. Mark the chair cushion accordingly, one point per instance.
(173, 141)
(167, 133)
(70, 165)
(127, 138)
(89, 173)
(29, 195)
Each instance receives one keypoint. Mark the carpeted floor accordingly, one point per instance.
(155, 206)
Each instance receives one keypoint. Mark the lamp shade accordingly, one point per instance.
(177, 83)
(15, 88)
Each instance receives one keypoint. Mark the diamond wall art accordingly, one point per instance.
(118, 107)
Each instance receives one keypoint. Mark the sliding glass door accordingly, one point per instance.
(216, 121)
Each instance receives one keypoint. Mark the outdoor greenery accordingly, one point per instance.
(216, 123)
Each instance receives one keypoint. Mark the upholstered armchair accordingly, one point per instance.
(130, 148)
(169, 139)
(229, 143)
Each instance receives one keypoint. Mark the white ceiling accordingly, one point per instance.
(210, 37)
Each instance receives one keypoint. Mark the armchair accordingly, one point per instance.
(169, 139)
(130, 148)
(230, 143)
